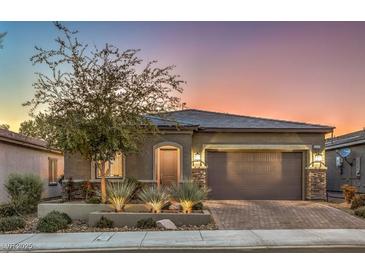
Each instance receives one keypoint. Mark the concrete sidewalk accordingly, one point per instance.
(215, 240)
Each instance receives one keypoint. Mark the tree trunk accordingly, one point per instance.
(103, 183)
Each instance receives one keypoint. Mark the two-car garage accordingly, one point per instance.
(255, 175)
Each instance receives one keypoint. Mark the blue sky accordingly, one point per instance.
(311, 72)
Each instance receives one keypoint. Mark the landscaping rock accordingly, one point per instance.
(166, 224)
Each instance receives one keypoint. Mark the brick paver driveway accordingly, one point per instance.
(244, 214)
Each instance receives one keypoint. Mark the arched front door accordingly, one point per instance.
(167, 164)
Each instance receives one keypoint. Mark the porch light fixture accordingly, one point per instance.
(197, 160)
(197, 157)
(318, 158)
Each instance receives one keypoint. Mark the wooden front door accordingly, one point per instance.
(168, 166)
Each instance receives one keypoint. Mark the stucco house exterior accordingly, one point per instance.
(350, 169)
(238, 157)
(21, 154)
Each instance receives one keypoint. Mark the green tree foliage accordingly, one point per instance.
(4, 126)
(2, 35)
(96, 101)
(37, 128)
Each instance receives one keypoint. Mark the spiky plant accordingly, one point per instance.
(154, 197)
(189, 194)
(119, 193)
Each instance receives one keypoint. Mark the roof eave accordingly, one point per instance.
(177, 127)
(268, 130)
(29, 145)
(345, 144)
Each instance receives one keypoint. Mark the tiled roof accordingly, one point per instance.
(167, 121)
(13, 137)
(215, 120)
(346, 139)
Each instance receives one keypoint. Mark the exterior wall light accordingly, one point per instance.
(317, 161)
(197, 157)
(318, 158)
(197, 160)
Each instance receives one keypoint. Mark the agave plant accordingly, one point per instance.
(119, 193)
(189, 194)
(155, 198)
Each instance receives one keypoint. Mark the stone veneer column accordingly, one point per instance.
(316, 184)
(199, 175)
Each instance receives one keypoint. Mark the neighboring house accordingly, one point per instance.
(350, 169)
(21, 154)
(238, 157)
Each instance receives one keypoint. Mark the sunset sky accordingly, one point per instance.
(301, 71)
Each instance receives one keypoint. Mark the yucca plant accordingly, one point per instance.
(189, 194)
(119, 193)
(154, 197)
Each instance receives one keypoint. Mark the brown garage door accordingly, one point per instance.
(255, 175)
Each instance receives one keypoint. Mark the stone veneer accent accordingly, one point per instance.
(199, 175)
(316, 184)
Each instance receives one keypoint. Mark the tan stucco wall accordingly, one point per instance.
(202, 140)
(77, 167)
(141, 165)
(19, 159)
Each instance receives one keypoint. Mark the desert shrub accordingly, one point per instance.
(93, 200)
(360, 211)
(53, 222)
(198, 206)
(189, 194)
(11, 223)
(358, 201)
(119, 193)
(63, 215)
(166, 206)
(154, 197)
(146, 223)
(349, 192)
(7, 211)
(25, 192)
(104, 223)
(138, 186)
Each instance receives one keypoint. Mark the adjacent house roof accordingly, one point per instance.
(22, 140)
(353, 138)
(208, 121)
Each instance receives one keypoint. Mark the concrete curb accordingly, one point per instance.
(299, 240)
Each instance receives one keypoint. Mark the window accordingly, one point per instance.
(112, 168)
(52, 170)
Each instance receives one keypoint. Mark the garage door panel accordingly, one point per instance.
(254, 175)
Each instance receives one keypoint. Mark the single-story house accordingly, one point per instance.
(22, 154)
(238, 157)
(350, 169)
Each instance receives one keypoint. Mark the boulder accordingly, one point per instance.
(166, 224)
